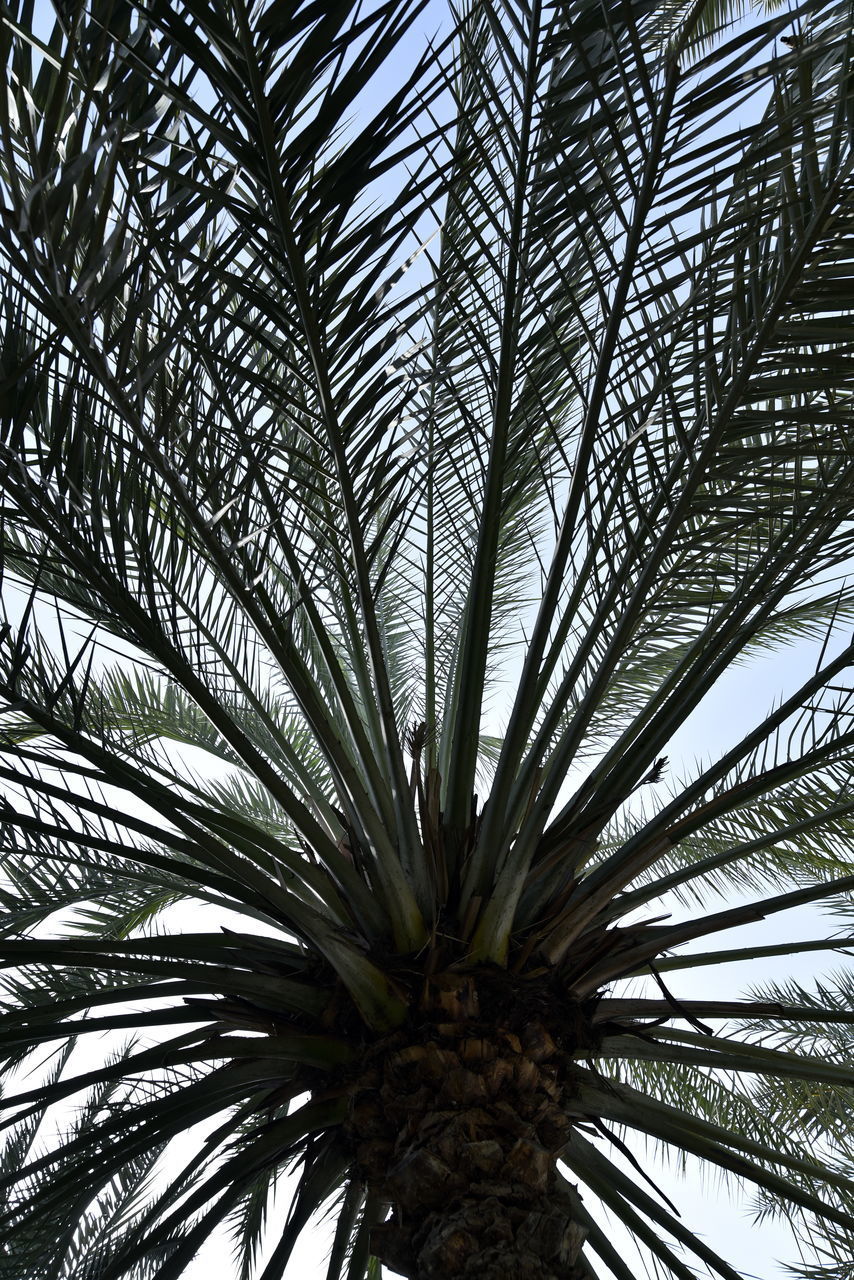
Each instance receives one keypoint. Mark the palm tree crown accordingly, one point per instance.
(372, 376)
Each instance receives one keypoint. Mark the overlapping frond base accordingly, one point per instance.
(458, 1120)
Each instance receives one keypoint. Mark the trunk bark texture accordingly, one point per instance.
(459, 1129)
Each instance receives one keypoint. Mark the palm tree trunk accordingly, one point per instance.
(502, 1225)
(460, 1132)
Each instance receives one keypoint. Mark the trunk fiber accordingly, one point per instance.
(460, 1135)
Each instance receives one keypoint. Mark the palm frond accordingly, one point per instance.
(369, 378)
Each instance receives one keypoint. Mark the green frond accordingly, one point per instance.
(408, 419)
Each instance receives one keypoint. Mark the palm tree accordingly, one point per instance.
(373, 377)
